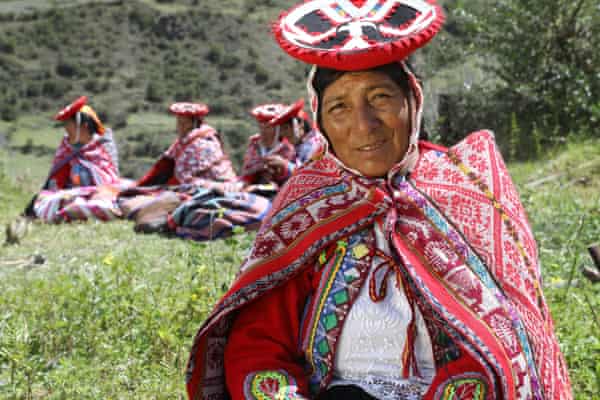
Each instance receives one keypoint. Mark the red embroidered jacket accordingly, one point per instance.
(465, 252)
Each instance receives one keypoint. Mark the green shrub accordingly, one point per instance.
(261, 75)
(56, 88)
(7, 45)
(67, 69)
(154, 92)
(8, 112)
(215, 53)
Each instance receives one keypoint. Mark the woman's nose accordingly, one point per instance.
(366, 120)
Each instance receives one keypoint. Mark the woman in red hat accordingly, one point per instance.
(84, 175)
(295, 126)
(208, 202)
(87, 155)
(388, 268)
(196, 157)
(265, 146)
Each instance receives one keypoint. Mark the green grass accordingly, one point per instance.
(565, 215)
(41, 130)
(111, 314)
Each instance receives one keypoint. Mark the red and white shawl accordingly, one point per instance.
(93, 157)
(200, 159)
(462, 234)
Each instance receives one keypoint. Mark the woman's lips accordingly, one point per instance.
(368, 148)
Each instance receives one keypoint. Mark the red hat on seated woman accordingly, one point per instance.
(266, 112)
(70, 110)
(289, 112)
(80, 106)
(185, 109)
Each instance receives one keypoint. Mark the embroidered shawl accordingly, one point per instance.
(253, 159)
(92, 165)
(463, 237)
(199, 158)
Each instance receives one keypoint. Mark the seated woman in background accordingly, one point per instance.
(198, 194)
(87, 154)
(389, 267)
(85, 160)
(293, 125)
(196, 157)
(263, 146)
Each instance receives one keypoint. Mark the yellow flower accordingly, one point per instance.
(201, 269)
(108, 259)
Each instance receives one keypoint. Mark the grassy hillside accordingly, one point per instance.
(106, 313)
(133, 58)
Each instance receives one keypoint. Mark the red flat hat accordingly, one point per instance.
(288, 113)
(197, 110)
(353, 35)
(70, 110)
(266, 112)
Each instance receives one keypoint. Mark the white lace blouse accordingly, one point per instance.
(371, 345)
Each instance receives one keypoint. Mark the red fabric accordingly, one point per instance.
(159, 174)
(265, 336)
(71, 109)
(93, 157)
(252, 169)
(61, 177)
(488, 303)
(339, 41)
(200, 159)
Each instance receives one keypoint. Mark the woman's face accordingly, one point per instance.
(71, 128)
(184, 125)
(267, 133)
(287, 131)
(367, 120)
(84, 133)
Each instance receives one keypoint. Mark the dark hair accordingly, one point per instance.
(304, 123)
(89, 121)
(325, 77)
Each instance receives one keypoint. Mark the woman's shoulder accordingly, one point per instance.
(202, 133)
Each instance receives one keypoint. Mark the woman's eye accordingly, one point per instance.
(336, 107)
(380, 96)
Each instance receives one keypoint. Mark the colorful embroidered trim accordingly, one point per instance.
(270, 385)
(343, 276)
(470, 386)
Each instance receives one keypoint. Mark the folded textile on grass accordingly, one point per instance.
(77, 204)
(211, 215)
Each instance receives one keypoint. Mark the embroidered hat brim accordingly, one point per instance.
(288, 113)
(352, 35)
(70, 110)
(185, 109)
(266, 112)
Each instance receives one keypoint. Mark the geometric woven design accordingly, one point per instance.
(464, 242)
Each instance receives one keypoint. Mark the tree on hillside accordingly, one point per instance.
(545, 56)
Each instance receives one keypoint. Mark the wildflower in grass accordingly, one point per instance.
(109, 259)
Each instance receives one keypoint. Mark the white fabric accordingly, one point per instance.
(369, 352)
